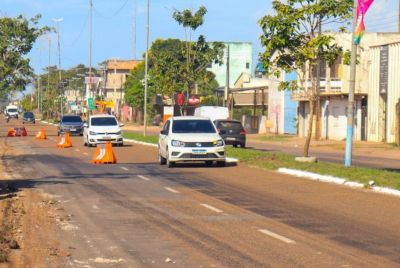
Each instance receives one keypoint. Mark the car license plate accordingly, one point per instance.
(72, 129)
(198, 151)
(230, 139)
(106, 138)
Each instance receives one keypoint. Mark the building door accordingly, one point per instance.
(382, 118)
(364, 118)
(397, 134)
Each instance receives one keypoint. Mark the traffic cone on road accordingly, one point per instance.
(41, 135)
(11, 132)
(65, 141)
(24, 132)
(104, 154)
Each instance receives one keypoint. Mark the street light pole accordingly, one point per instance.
(59, 62)
(146, 70)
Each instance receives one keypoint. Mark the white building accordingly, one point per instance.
(384, 92)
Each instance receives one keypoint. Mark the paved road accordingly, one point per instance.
(139, 214)
(373, 157)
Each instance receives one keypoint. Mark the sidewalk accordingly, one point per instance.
(367, 154)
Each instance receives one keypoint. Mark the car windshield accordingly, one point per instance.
(229, 125)
(12, 110)
(71, 119)
(193, 126)
(28, 114)
(104, 121)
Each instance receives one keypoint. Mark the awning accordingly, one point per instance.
(247, 99)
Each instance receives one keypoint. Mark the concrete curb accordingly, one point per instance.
(45, 122)
(336, 180)
(228, 159)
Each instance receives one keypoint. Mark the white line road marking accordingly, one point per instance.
(124, 168)
(143, 178)
(276, 236)
(85, 153)
(212, 208)
(171, 190)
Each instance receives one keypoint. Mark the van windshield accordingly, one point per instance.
(192, 126)
(12, 110)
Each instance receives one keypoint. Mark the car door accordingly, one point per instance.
(163, 138)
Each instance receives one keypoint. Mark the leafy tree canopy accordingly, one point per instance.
(290, 36)
(17, 38)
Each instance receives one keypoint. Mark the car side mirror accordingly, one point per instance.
(162, 132)
(121, 125)
(222, 132)
(85, 125)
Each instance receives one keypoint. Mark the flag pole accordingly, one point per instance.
(352, 85)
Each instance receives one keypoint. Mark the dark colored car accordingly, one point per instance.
(28, 117)
(232, 132)
(72, 124)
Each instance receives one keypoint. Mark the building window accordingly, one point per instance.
(335, 68)
(247, 65)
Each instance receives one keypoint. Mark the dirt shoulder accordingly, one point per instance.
(29, 220)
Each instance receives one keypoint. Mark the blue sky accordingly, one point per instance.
(226, 20)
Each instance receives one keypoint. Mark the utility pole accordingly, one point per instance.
(38, 94)
(227, 77)
(350, 105)
(89, 85)
(146, 69)
(59, 62)
(134, 29)
(48, 72)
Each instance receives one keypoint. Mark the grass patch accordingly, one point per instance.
(140, 137)
(274, 161)
(274, 138)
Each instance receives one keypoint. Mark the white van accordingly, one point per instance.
(12, 111)
(212, 112)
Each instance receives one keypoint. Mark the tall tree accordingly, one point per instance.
(17, 38)
(292, 41)
(195, 52)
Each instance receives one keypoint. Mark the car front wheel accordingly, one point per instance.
(168, 162)
(221, 163)
(161, 159)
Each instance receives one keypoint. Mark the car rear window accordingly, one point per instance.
(229, 125)
(71, 119)
(193, 126)
(28, 114)
(103, 121)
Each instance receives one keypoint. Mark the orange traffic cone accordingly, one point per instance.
(65, 141)
(11, 132)
(41, 135)
(104, 154)
(24, 132)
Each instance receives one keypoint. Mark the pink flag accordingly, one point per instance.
(362, 8)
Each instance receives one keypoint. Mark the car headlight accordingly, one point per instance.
(176, 143)
(92, 133)
(219, 143)
(118, 132)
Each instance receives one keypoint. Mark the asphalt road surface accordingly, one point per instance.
(137, 213)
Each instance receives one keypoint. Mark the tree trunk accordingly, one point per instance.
(312, 113)
(310, 127)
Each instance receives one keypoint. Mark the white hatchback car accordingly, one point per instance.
(102, 128)
(189, 138)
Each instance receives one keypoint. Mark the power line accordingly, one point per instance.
(80, 32)
(114, 14)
